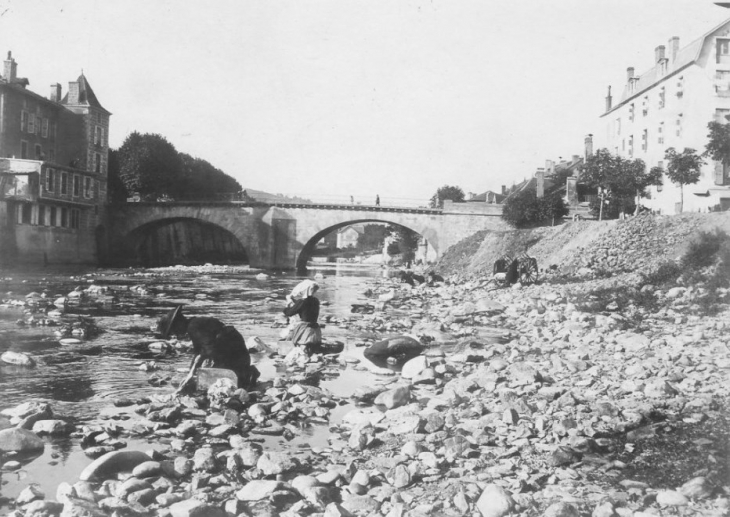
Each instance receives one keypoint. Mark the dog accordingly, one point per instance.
(213, 341)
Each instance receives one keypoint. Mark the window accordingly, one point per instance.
(52, 218)
(31, 123)
(88, 188)
(50, 180)
(53, 130)
(64, 217)
(631, 112)
(52, 155)
(38, 152)
(75, 216)
(42, 215)
(680, 86)
(77, 185)
(99, 135)
(662, 97)
(618, 126)
(64, 183)
(645, 140)
(679, 125)
(723, 50)
(660, 133)
(97, 163)
(44, 128)
(23, 121)
(645, 106)
(24, 149)
(631, 145)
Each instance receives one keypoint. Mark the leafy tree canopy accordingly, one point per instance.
(718, 144)
(525, 209)
(149, 165)
(683, 169)
(446, 192)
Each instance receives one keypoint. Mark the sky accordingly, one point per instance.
(329, 99)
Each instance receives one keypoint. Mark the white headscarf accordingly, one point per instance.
(304, 289)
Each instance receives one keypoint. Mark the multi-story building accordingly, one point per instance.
(53, 171)
(670, 105)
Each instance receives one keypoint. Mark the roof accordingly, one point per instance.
(87, 97)
(484, 197)
(685, 57)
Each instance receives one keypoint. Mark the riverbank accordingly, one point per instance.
(574, 396)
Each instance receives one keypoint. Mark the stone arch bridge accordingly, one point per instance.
(283, 236)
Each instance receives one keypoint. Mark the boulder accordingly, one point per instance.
(394, 398)
(28, 408)
(52, 427)
(414, 367)
(17, 358)
(112, 463)
(195, 508)
(258, 489)
(19, 440)
(43, 509)
(394, 346)
(73, 507)
(495, 501)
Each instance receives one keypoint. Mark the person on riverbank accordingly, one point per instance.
(302, 303)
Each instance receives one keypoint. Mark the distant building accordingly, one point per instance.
(489, 197)
(347, 237)
(670, 105)
(53, 171)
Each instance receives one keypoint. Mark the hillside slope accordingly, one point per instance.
(639, 243)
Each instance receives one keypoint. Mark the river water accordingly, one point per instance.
(81, 381)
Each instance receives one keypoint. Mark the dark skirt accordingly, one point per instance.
(306, 334)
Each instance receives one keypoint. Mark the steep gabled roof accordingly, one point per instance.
(685, 57)
(86, 95)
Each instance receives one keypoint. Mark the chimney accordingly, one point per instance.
(73, 93)
(540, 183)
(673, 48)
(589, 146)
(10, 69)
(659, 53)
(549, 167)
(504, 190)
(609, 100)
(629, 73)
(55, 95)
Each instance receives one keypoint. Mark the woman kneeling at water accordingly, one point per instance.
(303, 303)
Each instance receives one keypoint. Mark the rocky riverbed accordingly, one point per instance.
(565, 398)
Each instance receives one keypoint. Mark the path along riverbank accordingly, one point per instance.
(575, 396)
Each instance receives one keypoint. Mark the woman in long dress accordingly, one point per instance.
(303, 303)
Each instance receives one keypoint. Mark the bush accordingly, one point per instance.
(702, 252)
(667, 273)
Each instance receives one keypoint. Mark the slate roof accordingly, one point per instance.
(685, 57)
(86, 95)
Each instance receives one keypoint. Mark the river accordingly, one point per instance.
(82, 381)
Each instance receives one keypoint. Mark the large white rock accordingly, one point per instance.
(394, 398)
(495, 501)
(111, 463)
(195, 508)
(19, 440)
(414, 367)
(258, 489)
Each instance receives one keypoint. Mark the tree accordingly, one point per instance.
(405, 242)
(116, 191)
(446, 192)
(149, 165)
(201, 180)
(621, 183)
(524, 208)
(718, 145)
(683, 169)
(372, 237)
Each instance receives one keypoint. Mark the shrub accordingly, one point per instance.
(703, 251)
(524, 209)
(666, 273)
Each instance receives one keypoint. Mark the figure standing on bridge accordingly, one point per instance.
(377, 200)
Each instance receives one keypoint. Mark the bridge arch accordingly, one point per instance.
(182, 240)
(309, 245)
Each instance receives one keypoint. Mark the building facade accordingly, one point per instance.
(670, 105)
(53, 172)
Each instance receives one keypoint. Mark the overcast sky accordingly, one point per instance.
(328, 99)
